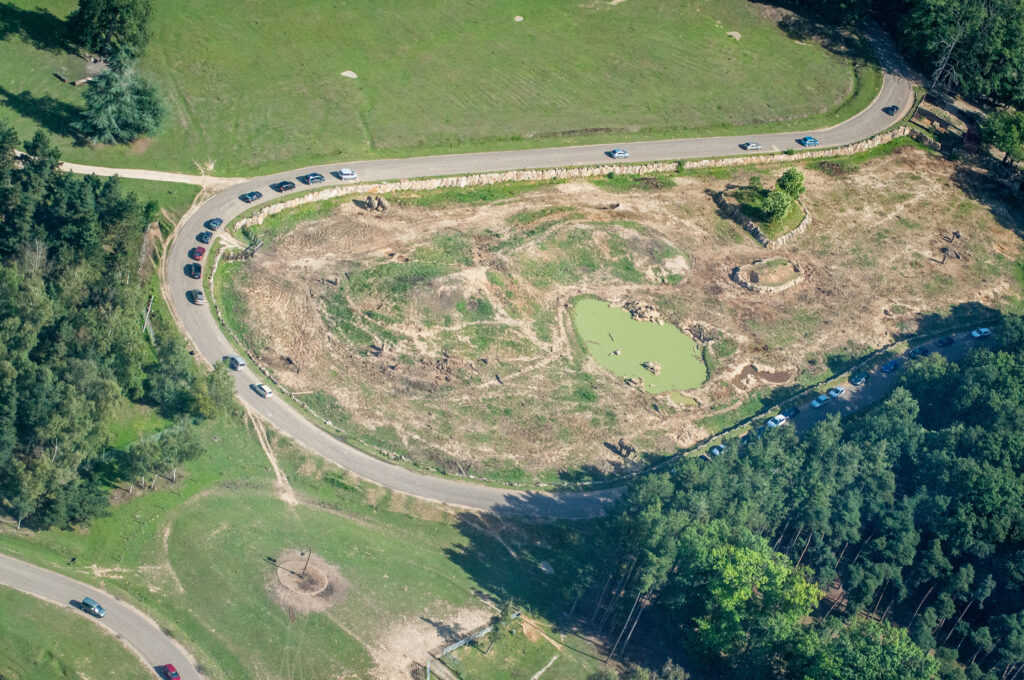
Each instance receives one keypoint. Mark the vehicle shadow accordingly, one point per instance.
(50, 113)
(39, 28)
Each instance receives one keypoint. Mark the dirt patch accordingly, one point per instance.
(404, 647)
(304, 583)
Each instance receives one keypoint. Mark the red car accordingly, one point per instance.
(170, 672)
(198, 252)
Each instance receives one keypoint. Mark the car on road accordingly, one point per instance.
(859, 378)
(312, 178)
(91, 606)
(945, 342)
(250, 197)
(236, 362)
(197, 297)
(837, 392)
(807, 141)
(890, 366)
(205, 236)
(197, 253)
(345, 174)
(776, 421)
(891, 110)
(981, 333)
(717, 450)
(919, 352)
(618, 153)
(819, 401)
(169, 672)
(214, 224)
(281, 187)
(263, 390)
(791, 412)
(194, 270)
(752, 146)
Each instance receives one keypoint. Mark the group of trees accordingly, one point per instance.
(1005, 131)
(777, 202)
(72, 349)
(121, 106)
(974, 47)
(910, 517)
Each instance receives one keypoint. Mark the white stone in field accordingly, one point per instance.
(349, 74)
(517, 19)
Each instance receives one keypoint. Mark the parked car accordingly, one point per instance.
(837, 392)
(752, 146)
(169, 672)
(194, 270)
(345, 174)
(756, 433)
(859, 378)
(236, 362)
(981, 333)
(281, 187)
(263, 390)
(891, 110)
(776, 421)
(205, 236)
(250, 197)
(717, 450)
(819, 401)
(214, 224)
(618, 153)
(197, 297)
(890, 366)
(807, 141)
(919, 352)
(91, 606)
(945, 342)
(312, 178)
(791, 412)
(197, 253)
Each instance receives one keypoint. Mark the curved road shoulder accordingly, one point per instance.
(139, 633)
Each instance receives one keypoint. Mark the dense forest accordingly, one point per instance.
(898, 532)
(72, 346)
(973, 47)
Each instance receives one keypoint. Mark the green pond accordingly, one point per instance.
(605, 330)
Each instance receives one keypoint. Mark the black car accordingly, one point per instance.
(215, 223)
(919, 352)
(312, 178)
(281, 187)
(194, 270)
(891, 110)
(944, 342)
(790, 412)
(204, 236)
(859, 379)
(250, 197)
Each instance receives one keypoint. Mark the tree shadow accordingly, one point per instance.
(1003, 197)
(39, 28)
(51, 114)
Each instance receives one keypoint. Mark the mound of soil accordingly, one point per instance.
(300, 585)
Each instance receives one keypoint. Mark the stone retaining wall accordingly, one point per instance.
(759, 288)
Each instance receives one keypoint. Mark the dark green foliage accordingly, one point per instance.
(111, 27)
(1005, 131)
(868, 650)
(120, 107)
(792, 182)
(71, 342)
(776, 205)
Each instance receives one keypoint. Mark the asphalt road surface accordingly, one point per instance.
(199, 324)
(137, 631)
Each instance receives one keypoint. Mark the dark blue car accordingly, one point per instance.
(213, 224)
(890, 366)
(250, 197)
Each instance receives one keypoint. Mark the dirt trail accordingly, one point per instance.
(283, 488)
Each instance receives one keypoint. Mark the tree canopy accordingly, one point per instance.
(109, 27)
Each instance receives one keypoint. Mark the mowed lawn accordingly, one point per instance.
(42, 641)
(255, 86)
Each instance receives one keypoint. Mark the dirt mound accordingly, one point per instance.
(304, 583)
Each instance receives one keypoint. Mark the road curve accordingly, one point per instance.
(137, 631)
(199, 323)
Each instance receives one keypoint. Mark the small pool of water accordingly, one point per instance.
(605, 330)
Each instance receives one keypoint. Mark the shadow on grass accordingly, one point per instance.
(51, 114)
(39, 28)
(1003, 198)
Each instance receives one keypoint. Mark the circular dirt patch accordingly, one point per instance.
(300, 585)
(768, 276)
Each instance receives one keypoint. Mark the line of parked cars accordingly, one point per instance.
(309, 179)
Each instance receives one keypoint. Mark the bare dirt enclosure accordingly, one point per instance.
(769, 275)
(302, 586)
(443, 334)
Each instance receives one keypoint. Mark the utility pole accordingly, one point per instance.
(309, 553)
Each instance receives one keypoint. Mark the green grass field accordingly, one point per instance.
(42, 641)
(254, 86)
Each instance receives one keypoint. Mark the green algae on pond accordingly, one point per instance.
(605, 330)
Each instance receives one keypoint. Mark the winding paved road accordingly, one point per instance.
(201, 327)
(137, 631)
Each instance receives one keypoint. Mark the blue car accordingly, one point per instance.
(890, 366)
(250, 197)
(808, 141)
(213, 224)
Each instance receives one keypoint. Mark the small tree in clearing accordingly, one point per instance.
(776, 205)
(792, 182)
(501, 623)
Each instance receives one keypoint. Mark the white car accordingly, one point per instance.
(346, 173)
(752, 146)
(263, 390)
(981, 332)
(777, 421)
(836, 392)
(819, 401)
(717, 450)
(236, 362)
(618, 153)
